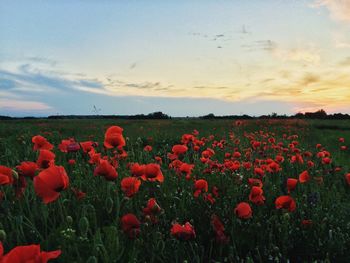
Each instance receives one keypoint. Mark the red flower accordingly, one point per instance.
(256, 195)
(30, 254)
(243, 210)
(114, 138)
(148, 148)
(286, 202)
(40, 143)
(183, 232)
(200, 186)
(219, 229)
(347, 178)
(152, 173)
(326, 160)
(291, 184)
(69, 146)
(27, 169)
(87, 146)
(306, 222)
(131, 225)
(304, 177)
(130, 185)
(45, 159)
(6, 176)
(78, 193)
(50, 182)
(179, 149)
(151, 210)
(106, 170)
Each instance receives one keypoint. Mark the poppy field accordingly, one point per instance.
(182, 190)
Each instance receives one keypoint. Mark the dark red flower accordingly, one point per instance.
(152, 173)
(200, 186)
(131, 225)
(130, 185)
(291, 184)
(27, 169)
(106, 170)
(6, 175)
(257, 195)
(50, 182)
(46, 158)
(243, 210)
(27, 254)
(304, 177)
(183, 232)
(219, 230)
(347, 178)
(40, 143)
(286, 202)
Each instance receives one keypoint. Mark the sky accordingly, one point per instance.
(183, 57)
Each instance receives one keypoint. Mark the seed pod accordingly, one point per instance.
(2, 235)
(84, 226)
(69, 220)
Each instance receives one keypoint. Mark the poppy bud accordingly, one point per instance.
(69, 220)
(83, 226)
(2, 235)
(92, 259)
(109, 205)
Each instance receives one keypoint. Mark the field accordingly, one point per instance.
(229, 191)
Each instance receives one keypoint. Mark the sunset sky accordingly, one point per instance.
(184, 58)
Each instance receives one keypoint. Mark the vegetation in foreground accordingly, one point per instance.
(174, 190)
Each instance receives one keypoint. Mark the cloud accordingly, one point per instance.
(339, 9)
(345, 62)
(306, 55)
(266, 45)
(309, 78)
(23, 105)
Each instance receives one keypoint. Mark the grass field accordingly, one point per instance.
(233, 202)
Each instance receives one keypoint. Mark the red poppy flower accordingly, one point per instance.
(179, 149)
(87, 146)
(256, 195)
(46, 158)
(106, 170)
(291, 184)
(306, 222)
(347, 178)
(40, 143)
(148, 148)
(219, 230)
(152, 173)
(304, 177)
(152, 207)
(27, 169)
(50, 182)
(255, 182)
(183, 232)
(243, 210)
(200, 186)
(30, 253)
(286, 202)
(130, 185)
(326, 160)
(78, 193)
(114, 138)
(131, 225)
(6, 176)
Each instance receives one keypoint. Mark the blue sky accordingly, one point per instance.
(185, 58)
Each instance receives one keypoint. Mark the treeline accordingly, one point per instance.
(320, 114)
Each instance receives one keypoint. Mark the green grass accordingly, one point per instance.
(89, 230)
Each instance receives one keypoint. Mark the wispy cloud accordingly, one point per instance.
(23, 105)
(309, 55)
(339, 9)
